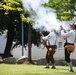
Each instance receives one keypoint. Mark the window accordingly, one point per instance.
(60, 45)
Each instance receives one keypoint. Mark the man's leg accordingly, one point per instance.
(67, 59)
(52, 61)
(47, 60)
(71, 67)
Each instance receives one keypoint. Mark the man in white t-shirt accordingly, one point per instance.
(70, 40)
(51, 46)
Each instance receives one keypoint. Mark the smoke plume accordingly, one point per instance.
(44, 17)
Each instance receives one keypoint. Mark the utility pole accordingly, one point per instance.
(22, 39)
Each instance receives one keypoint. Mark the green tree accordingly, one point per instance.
(64, 8)
(10, 11)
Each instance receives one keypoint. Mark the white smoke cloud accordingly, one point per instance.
(42, 16)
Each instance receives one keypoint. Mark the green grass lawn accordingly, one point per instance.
(23, 69)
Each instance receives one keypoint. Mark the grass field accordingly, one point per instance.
(8, 69)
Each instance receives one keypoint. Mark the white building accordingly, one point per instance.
(36, 52)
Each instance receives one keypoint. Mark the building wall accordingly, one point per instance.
(37, 52)
(2, 43)
(40, 52)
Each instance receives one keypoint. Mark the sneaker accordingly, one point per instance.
(70, 71)
(53, 67)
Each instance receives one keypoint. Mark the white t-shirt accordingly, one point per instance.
(51, 37)
(69, 35)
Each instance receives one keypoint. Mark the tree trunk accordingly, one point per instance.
(29, 44)
(10, 37)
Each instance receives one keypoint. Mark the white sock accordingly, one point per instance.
(47, 65)
(53, 65)
(70, 65)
